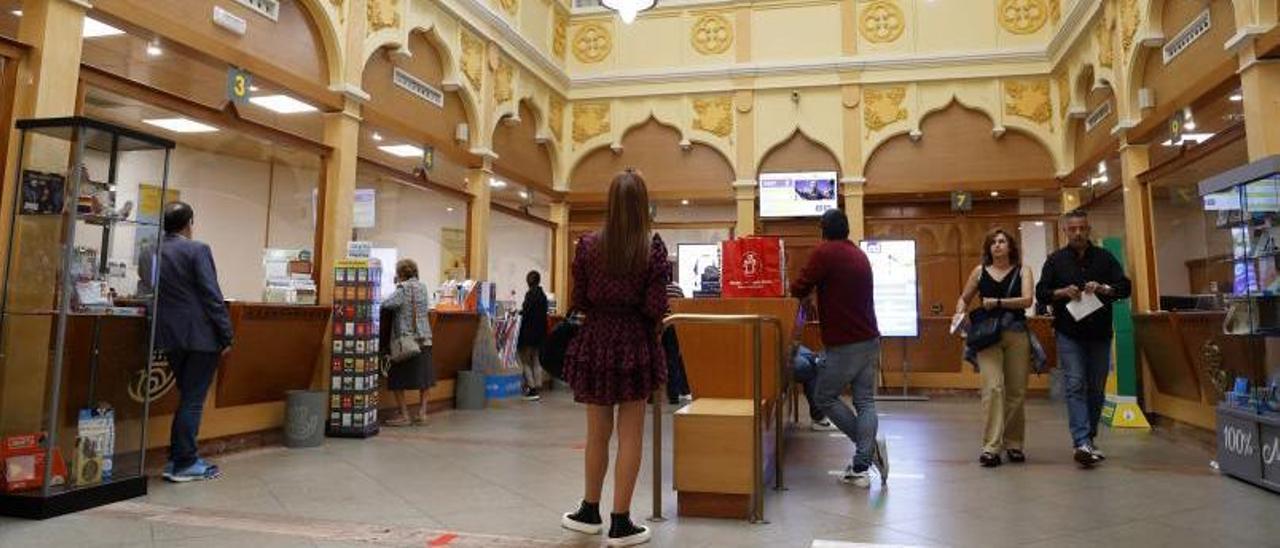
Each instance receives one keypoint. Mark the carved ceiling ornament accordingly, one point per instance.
(882, 22)
(1023, 16)
(1055, 10)
(712, 34)
(510, 6)
(590, 120)
(559, 32)
(1064, 93)
(472, 59)
(555, 117)
(592, 43)
(1129, 18)
(338, 10)
(882, 107)
(503, 77)
(1105, 33)
(382, 14)
(1028, 99)
(714, 115)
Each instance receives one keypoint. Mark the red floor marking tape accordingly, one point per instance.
(442, 540)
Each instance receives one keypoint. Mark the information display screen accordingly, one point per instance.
(797, 194)
(893, 266)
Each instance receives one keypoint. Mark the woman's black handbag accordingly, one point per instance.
(557, 344)
(985, 325)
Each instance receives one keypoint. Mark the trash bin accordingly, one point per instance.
(469, 390)
(304, 415)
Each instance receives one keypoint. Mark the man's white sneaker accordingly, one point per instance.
(823, 425)
(857, 479)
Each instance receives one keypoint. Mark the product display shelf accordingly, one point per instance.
(354, 366)
(73, 436)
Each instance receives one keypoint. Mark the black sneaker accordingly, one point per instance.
(1016, 455)
(624, 533)
(989, 460)
(531, 394)
(1085, 457)
(585, 520)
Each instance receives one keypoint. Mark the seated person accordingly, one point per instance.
(807, 363)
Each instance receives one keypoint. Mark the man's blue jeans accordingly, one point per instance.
(1085, 364)
(807, 364)
(854, 364)
(193, 372)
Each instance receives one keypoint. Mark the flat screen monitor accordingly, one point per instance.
(893, 269)
(802, 194)
(692, 261)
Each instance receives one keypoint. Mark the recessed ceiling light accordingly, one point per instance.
(282, 104)
(524, 194)
(403, 151)
(254, 88)
(1236, 97)
(376, 136)
(449, 209)
(494, 183)
(153, 49)
(181, 125)
(94, 28)
(16, 13)
(995, 193)
(1039, 223)
(1196, 137)
(684, 202)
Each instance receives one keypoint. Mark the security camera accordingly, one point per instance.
(795, 96)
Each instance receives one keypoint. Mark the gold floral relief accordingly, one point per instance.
(590, 120)
(712, 34)
(1129, 18)
(592, 43)
(503, 76)
(382, 14)
(559, 32)
(1064, 93)
(882, 22)
(714, 115)
(510, 6)
(1028, 99)
(472, 60)
(1055, 10)
(1023, 16)
(1105, 33)
(338, 10)
(882, 107)
(555, 117)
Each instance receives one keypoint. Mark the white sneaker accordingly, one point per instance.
(857, 479)
(880, 459)
(823, 425)
(1097, 453)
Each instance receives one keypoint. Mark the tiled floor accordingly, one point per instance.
(501, 477)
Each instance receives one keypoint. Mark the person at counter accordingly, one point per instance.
(411, 306)
(193, 328)
(1091, 280)
(841, 273)
(533, 332)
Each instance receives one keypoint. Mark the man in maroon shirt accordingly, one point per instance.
(842, 275)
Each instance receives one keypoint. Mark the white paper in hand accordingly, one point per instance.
(1088, 303)
(957, 324)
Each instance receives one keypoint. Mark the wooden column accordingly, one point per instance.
(852, 189)
(478, 221)
(1260, 85)
(744, 193)
(335, 216)
(1135, 159)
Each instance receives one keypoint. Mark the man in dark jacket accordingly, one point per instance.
(1076, 272)
(533, 332)
(194, 329)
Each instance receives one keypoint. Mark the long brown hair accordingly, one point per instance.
(624, 241)
(1015, 252)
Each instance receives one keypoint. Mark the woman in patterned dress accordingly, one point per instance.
(616, 361)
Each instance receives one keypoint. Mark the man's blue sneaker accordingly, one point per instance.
(200, 471)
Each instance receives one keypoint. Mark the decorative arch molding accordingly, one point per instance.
(518, 148)
(799, 138)
(326, 22)
(1253, 17)
(671, 167)
(624, 117)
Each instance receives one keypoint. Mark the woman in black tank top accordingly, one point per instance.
(1005, 287)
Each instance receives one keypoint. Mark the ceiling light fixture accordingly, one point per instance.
(684, 202)
(494, 183)
(254, 88)
(995, 193)
(1236, 97)
(628, 9)
(402, 151)
(1197, 137)
(1190, 123)
(181, 125)
(16, 13)
(449, 209)
(376, 136)
(153, 48)
(94, 28)
(282, 104)
(524, 194)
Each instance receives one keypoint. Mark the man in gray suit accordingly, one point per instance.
(194, 329)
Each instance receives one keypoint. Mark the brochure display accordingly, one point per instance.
(1245, 204)
(893, 268)
(76, 333)
(354, 365)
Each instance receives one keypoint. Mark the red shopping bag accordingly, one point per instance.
(753, 267)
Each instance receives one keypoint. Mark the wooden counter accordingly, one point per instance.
(453, 334)
(276, 349)
(1176, 383)
(718, 358)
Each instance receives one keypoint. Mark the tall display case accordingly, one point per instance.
(78, 314)
(1243, 206)
(353, 375)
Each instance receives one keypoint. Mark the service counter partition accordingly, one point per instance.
(453, 335)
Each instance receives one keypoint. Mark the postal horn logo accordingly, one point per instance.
(145, 387)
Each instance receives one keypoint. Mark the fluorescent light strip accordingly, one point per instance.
(181, 125)
(282, 104)
(403, 151)
(94, 28)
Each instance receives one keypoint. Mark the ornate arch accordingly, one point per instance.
(572, 172)
(334, 54)
(799, 133)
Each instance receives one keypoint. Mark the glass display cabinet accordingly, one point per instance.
(1244, 204)
(78, 303)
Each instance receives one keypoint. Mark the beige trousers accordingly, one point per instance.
(1004, 367)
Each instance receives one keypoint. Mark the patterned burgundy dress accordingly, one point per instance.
(616, 356)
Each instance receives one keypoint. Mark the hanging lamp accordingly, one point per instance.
(628, 9)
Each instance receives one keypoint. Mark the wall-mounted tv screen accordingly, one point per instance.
(807, 194)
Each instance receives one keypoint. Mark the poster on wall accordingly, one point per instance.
(453, 254)
(692, 260)
(893, 267)
(363, 207)
(150, 212)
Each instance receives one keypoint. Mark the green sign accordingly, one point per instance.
(961, 201)
(239, 83)
(428, 157)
